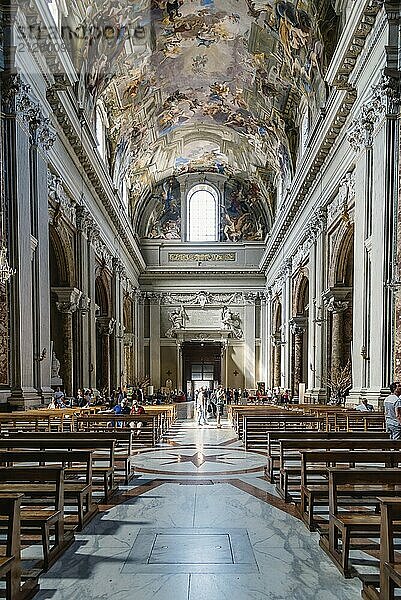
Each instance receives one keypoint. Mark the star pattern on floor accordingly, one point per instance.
(198, 459)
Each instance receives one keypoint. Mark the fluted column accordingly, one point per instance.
(29, 333)
(287, 308)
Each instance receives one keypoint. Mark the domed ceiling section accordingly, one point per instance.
(205, 85)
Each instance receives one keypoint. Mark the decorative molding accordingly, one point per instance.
(343, 201)
(202, 256)
(18, 100)
(298, 325)
(384, 100)
(68, 299)
(337, 300)
(105, 325)
(62, 205)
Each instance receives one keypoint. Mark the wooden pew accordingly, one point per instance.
(44, 485)
(77, 493)
(314, 463)
(289, 481)
(274, 437)
(149, 434)
(360, 484)
(73, 491)
(255, 429)
(123, 451)
(390, 568)
(10, 547)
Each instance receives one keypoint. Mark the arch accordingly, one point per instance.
(345, 260)
(102, 295)
(342, 257)
(301, 293)
(61, 263)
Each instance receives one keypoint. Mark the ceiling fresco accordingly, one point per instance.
(203, 85)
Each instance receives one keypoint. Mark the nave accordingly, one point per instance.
(199, 522)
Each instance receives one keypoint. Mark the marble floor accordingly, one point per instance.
(199, 522)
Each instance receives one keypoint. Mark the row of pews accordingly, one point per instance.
(252, 422)
(53, 480)
(344, 483)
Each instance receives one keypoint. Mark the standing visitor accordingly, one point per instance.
(220, 405)
(392, 411)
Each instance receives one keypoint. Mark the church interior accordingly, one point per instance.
(200, 299)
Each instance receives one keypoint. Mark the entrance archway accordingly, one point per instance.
(201, 365)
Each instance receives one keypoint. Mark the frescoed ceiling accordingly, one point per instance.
(203, 85)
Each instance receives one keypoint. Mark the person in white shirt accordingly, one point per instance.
(392, 411)
(364, 406)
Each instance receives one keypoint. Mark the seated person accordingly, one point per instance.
(118, 409)
(137, 409)
(364, 406)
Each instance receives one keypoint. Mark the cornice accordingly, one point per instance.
(304, 182)
(351, 44)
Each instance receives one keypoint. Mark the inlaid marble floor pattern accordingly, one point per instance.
(198, 523)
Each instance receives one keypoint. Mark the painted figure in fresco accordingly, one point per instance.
(173, 9)
(165, 222)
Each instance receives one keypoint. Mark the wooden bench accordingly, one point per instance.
(104, 473)
(123, 450)
(148, 435)
(289, 480)
(383, 588)
(255, 429)
(44, 485)
(274, 437)
(10, 550)
(77, 465)
(314, 466)
(359, 484)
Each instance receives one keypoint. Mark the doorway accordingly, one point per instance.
(201, 366)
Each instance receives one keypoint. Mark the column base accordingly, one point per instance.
(24, 399)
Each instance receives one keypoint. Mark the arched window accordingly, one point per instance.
(202, 214)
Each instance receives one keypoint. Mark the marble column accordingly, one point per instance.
(180, 382)
(68, 301)
(82, 252)
(249, 339)
(277, 359)
(264, 340)
(117, 333)
(319, 391)
(106, 327)
(298, 327)
(154, 341)
(141, 336)
(91, 316)
(224, 363)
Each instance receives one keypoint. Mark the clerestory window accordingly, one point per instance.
(202, 212)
